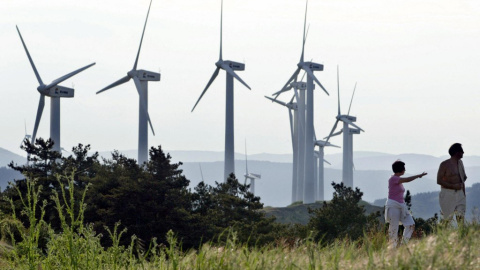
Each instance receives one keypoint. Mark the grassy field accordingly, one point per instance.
(448, 248)
(78, 246)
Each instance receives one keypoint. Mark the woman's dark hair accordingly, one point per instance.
(455, 148)
(398, 166)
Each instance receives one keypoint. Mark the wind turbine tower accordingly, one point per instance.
(294, 129)
(55, 92)
(140, 78)
(229, 67)
(348, 132)
(309, 68)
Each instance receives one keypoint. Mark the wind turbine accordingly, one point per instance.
(140, 78)
(251, 176)
(229, 67)
(348, 132)
(27, 136)
(321, 169)
(294, 130)
(309, 68)
(55, 92)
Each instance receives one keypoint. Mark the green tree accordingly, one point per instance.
(230, 206)
(342, 217)
(44, 164)
(148, 200)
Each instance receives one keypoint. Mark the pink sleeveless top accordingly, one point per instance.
(395, 189)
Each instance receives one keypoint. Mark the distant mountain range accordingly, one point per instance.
(371, 175)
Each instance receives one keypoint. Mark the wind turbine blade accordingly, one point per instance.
(332, 145)
(30, 59)
(310, 73)
(277, 101)
(352, 98)
(117, 83)
(215, 74)
(143, 102)
(324, 160)
(141, 39)
(41, 104)
(290, 116)
(65, 77)
(337, 133)
(285, 87)
(351, 123)
(231, 72)
(293, 98)
(331, 132)
(304, 37)
(338, 90)
(221, 30)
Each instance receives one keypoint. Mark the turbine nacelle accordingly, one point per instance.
(354, 131)
(235, 65)
(252, 176)
(60, 91)
(347, 117)
(313, 66)
(144, 75)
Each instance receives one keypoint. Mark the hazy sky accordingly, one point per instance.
(416, 64)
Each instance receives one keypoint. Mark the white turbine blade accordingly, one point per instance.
(304, 38)
(337, 133)
(331, 132)
(41, 104)
(215, 74)
(277, 101)
(293, 98)
(333, 145)
(30, 59)
(351, 123)
(352, 98)
(310, 73)
(290, 116)
(231, 72)
(117, 83)
(65, 77)
(141, 39)
(284, 88)
(324, 160)
(338, 90)
(221, 30)
(143, 102)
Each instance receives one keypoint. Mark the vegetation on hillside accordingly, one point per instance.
(77, 212)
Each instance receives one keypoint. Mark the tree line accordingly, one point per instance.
(153, 198)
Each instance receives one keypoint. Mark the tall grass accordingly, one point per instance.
(77, 246)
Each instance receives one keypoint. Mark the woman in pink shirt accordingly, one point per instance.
(396, 210)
